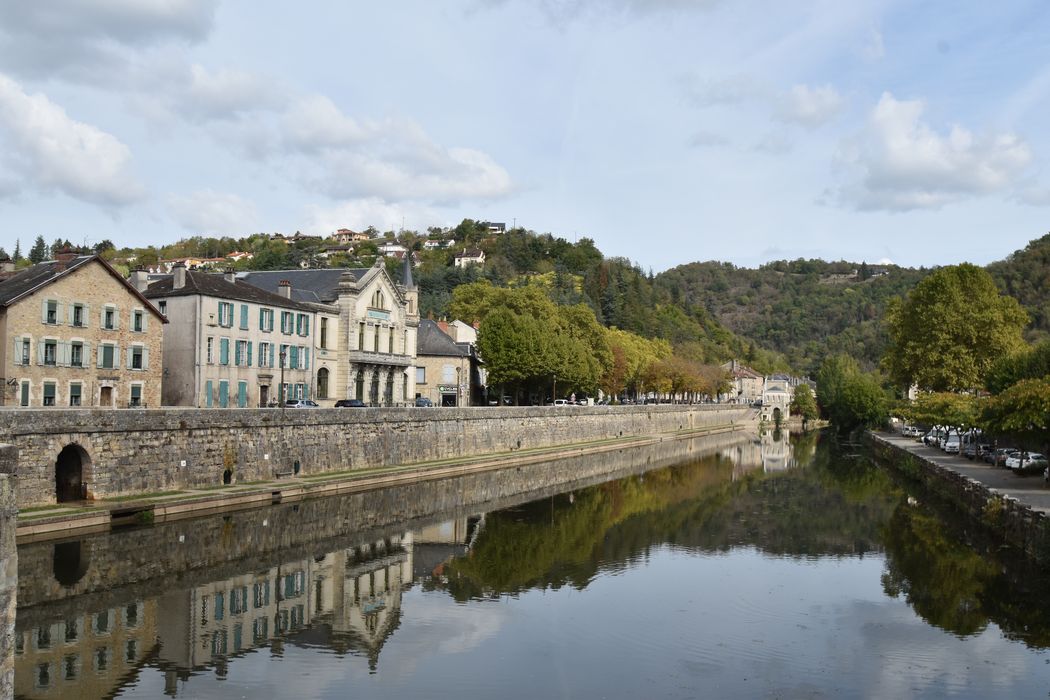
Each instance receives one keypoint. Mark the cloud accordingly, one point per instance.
(775, 143)
(1033, 194)
(213, 213)
(561, 10)
(704, 139)
(393, 159)
(80, 37)
(899, 163)
(809, 106)
(228, 93)
(722, 91)
(874, 49)
(359, 214)
(53, 151)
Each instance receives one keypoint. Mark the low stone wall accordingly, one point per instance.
(8, 571)
(1013, 521)
(131, 451)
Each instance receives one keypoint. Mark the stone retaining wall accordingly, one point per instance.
(1015, 522)
(138, 451)
(8, 571)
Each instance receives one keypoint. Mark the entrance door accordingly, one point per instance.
(69, 475)
(105, 397)
(264, 394)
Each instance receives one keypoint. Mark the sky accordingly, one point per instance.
(668, 131)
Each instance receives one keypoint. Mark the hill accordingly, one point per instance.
(1025, 275)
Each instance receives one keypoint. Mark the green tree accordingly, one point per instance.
(803, 403)
(38, 253)
(849, 398)
(949, 330)
(1023, 411)
(17, 255)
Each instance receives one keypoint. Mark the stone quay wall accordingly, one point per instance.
(109, 569)
(8, 571)
(140, 451)
(1013, 521)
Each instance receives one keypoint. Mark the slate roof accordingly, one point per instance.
(215, 285)
(27, 281)
(431, 340)
(307, 285)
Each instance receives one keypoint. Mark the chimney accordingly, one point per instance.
(63, 258)
(139, 279)
(230, 275)
(179, 275)
(284, 288)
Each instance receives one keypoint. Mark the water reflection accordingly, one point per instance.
(785, 498)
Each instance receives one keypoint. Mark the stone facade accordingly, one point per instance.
(82, 336)
(127, 452)
(8, 570)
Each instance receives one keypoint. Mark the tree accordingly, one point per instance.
(803, 403)
(849, 398)
(1023, 411)
(17, 256)
(38, 253)
(948, 331)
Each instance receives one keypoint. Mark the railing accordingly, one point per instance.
(380, 358)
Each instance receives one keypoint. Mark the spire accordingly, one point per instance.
(406, 275)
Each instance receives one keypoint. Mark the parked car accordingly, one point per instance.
(423, 402)
(561, 402)
(300, 403)
(1022, 462)
(951, 444)
(349, 403)
(970, 450)
(998, 457)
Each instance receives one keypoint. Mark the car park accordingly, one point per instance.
(349, 403)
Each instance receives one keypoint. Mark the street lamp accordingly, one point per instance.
(554, 391)
(280, 390)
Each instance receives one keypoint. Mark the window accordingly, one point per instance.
(136, 395)
(264, 353)
(224, 394)
(163, 307)
(302, 325)
(109, 318)
(378, 300)
(51, 313)
(421, 375)
(76, 354)
(390, 342)
(240, 353)
(50, 352)
(102, 622)
(74, 394)
(244, 317)
(107, 357)
(135, 361)
(361, 336)
(25, 351)
(293, 357)
(25, 394)
(322, 383)
(284, 356)
(324, 332)
(225, 314)
(210, 354)
(78, 315)
(261, 594)
(375, 338)
(207, 394)
(266, 320)
(137, 321)
(224, 351)
(287, 322)
(49, 393)
(220, 607)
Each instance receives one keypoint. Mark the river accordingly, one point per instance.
(778, 567)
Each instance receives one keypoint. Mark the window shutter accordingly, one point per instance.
(249, 362)
(116, 356)
(244, 316)
(130, 354)
(116, 318)
(145, 358)
(43, 311)
(306, 352)
(40, 353)
(262, 319)
(69, 314)
(85, 355)
(59, 307)
(87, 314)
(145, 320)
(307, 324)
(63, 354)
(18, 351)
(98, 361)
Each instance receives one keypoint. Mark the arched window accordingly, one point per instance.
(322, 383)
(378, 302)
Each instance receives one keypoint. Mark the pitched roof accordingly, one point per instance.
(471, 253)
(307, 285)
(430, 340)
(215, 285)
(25, 282)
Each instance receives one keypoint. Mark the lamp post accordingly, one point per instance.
(554, 391)
(280, 390)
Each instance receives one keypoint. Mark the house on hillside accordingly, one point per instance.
(470, 257)
(76, 333)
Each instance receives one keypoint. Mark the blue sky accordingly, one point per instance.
(666, 130)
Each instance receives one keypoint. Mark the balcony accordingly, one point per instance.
(380, 358)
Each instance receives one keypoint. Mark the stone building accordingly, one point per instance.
(746, 384)
(230, 344)
(74, 332)
(776, 397)
(375, 344)
(448, 373)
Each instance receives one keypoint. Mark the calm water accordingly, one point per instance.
(771, 570)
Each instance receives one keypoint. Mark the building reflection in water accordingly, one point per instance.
(772, 451)
(348, 601)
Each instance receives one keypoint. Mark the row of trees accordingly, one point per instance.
(538, 349)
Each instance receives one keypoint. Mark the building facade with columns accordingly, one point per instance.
(229, 344)
(378, 318)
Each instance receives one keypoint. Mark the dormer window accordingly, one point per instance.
(378, 301)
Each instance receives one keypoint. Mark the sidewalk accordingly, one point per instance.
(1029, 490)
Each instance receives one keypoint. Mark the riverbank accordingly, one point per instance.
(62, 520)
(1015, 508)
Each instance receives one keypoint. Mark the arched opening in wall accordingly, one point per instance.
(70, 561)
(322, 383)
(227, 477)
(70, 468)
(777, 416)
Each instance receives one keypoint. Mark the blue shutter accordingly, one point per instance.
(207, 393)
(224, 394)
(242, 394)
(244, 317)
(224, 351)
(249, 362)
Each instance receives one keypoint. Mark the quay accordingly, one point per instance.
(1016, 508)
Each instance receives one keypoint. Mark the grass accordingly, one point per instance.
(141, 496)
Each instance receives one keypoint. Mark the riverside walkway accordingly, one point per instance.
(1028, 490)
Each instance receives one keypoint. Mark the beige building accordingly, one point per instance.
(76, 333)
(746, 384)
(375, 342)
(447, 373)
(230, 344)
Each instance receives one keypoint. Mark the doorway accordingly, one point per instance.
(105, 397)
(69, 474)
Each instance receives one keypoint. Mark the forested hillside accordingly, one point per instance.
(1025, 275)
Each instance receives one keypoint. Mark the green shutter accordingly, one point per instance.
(237, 359)
(224, 351)
(248, 363)
(242, 394)
(306, 351)
(271, 355)
(207, 393)
(262, 319)
(224, 394)
(293, 357)
(306, 323)
(244, 317)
